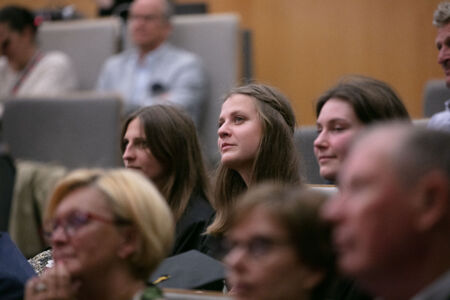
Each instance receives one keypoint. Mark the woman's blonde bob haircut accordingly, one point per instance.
(133, 198)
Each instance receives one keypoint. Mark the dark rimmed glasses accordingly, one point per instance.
(257, 247)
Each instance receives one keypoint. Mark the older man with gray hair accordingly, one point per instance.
(441, 20)
(391, 216)
(154, 71)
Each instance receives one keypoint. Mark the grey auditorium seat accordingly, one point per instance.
(73, 131)
(88, 42)
(215, 38)
(434, 97)
(304, 137)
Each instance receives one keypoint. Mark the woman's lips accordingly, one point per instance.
(325, 158)
(225, 147)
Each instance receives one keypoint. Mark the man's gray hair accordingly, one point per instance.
(441, 16)
(422, 151)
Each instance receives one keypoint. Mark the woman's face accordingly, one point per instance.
(262, 263)
(84, 235)
(137, 154)
(13, 43)
(240, 132)
(337, 124)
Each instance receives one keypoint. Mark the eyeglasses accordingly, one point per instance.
(76, 220)
(145, 18)
(256, 248)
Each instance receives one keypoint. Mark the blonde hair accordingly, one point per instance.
(133, 198)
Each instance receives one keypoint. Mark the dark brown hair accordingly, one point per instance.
(371, 99)
(277, 158)
(172, 138)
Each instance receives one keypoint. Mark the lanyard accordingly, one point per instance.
(23, 75)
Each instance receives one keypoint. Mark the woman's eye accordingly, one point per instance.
(339, 129)
(141, 144)
(238, 120)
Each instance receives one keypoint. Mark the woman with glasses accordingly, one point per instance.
(108, 231)
(278, 247)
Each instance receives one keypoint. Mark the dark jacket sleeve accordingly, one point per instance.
(14, 270)
(189, 233)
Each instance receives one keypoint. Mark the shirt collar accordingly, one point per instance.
(154, 54)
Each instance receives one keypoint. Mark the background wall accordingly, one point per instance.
(304, 46)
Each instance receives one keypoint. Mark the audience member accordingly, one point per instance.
(161, 142)
(24, 69)
(278, 247)
(155, 71)
(122, 210)
(344, 110)
(442, 21)
(14, 270)
(256, 128)
(113, 7)
(392, 214)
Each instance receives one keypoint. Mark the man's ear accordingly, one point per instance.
(130, 242)
(432, 199)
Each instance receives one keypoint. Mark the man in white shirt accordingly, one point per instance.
(391, 216)
(155, 71)
(441, 20)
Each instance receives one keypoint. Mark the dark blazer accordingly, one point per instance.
(14, 269)
(191, 226)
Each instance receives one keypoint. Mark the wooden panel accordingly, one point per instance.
(86, 7)
(304, 46)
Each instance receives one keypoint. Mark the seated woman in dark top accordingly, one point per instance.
(255, 139)
(278, 247)
(161, 142)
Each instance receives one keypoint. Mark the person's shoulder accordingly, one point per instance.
(441, 120)
(13, 265)
(200, 204)
(56, 57)
(198, 212)
(182, 54)
(121, 58)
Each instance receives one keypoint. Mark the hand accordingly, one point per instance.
(54, 284)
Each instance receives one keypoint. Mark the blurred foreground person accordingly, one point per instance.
(392, 213)
(109, 230)
(279, 248)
